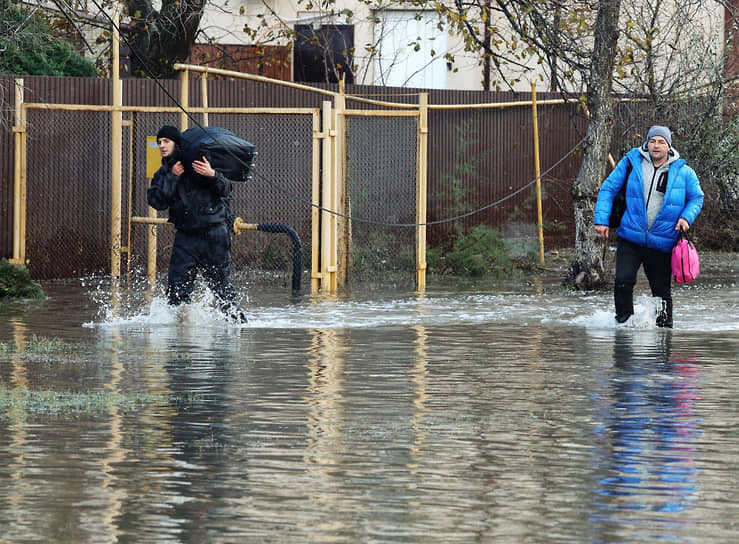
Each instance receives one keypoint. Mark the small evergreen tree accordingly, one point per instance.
(15, 281)
(29, 47)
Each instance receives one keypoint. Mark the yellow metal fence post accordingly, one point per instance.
(19, 178)
(340, 240)
(117, 143)
(421, 190)
(316, 200)
(128, 123)
(204, 96)
(328, 248)
(537, 167)
(184, 98)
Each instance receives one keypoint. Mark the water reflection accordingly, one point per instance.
(324, 451)
(418, 374)
(190, 469)
(18, 443)
(110, 496)
(646, 473)
(449, 417)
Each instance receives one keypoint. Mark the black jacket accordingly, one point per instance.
(194, 202)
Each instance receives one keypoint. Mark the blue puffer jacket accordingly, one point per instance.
(683, 198)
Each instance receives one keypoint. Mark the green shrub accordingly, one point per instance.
(29, 47)
(15, 281)
(478, 253)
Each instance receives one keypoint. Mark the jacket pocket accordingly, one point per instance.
(212, 214)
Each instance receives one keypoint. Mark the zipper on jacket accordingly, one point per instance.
(649, 197)
(651, 186)
(646, 207)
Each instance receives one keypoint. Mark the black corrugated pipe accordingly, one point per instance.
(297, 249)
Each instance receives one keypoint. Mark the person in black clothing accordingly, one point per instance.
(197, 203)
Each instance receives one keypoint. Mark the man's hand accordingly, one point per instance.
(601, 230)
(204, 168)
(178, 169)
(682, 224)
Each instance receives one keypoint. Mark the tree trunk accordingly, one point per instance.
(162, 39)
(586, 270)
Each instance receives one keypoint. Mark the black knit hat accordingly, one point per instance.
(170, 132)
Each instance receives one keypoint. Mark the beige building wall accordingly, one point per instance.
(697, 29)
(224, 22)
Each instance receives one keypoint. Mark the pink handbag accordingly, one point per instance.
(685, 262)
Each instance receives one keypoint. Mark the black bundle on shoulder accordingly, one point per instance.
(230, 155)
(619, 202)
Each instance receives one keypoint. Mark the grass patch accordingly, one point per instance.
(44, 346)
(88, 402)
(54, 402)
(40, 348)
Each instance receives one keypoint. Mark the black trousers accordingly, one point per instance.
(657, 267)
(208, 252)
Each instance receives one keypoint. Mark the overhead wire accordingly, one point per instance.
(463, 215)
(146, 67)
(317, 206)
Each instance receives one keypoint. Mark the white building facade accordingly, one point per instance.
(388, 43)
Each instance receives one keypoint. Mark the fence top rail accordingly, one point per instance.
(362, 98)
(168, 109)
(503, 104)
(381, 113)
(253, 77)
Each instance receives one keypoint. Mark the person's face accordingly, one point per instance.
(166, 146)
(658, 148)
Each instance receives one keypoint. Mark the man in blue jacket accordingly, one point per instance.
(663, 195)
(196, 200)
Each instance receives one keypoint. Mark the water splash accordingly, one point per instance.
(694, 310)
(588, 311)
(523, 310)
(645, 313)
(141, 306)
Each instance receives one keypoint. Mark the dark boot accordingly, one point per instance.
(664, 314)
(234, 313)
(623, 296)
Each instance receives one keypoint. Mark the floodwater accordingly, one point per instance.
(508, 414)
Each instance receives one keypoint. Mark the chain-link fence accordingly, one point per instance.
(69, 190)
(278, 193)
(479, 160)
(381, 185)
(68, 193)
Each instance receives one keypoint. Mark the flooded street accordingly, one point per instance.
(517, 414)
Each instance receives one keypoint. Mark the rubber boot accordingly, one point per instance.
(239, 317)
(234, 313)
(664, 314)
(623, 296)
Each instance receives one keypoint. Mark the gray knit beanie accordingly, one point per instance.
(658, 130)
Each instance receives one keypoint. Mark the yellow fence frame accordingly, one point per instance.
(420, 112)
(329, 230)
